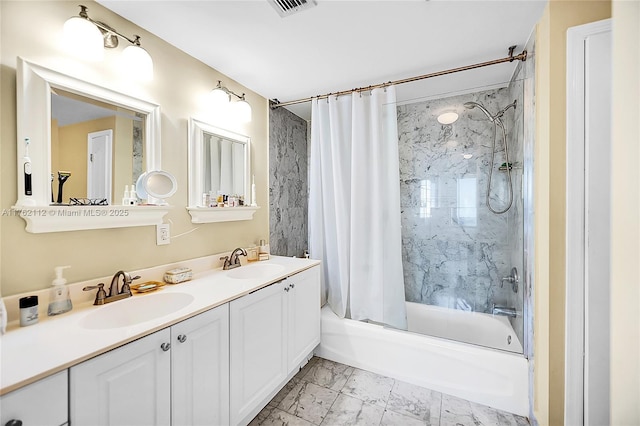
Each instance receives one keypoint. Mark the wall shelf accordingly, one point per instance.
(42, 219)
(221, 214)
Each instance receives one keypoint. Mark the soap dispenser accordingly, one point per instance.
(59, 300)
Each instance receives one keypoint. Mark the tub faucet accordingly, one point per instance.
(503, 310)
(233, 261)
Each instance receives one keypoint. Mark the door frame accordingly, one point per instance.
(576, 233)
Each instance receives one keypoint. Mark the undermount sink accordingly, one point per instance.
(135, 310)
(255, 271)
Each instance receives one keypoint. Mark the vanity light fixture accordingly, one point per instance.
(448, 117)
(88, 38)
(221, 97)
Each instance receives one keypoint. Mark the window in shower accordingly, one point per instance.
(428, 198)
(467, 202)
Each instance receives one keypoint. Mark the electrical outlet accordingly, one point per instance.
(163, 234)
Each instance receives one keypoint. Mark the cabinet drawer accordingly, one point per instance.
(42, 403)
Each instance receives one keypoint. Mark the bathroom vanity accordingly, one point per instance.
(235, 339)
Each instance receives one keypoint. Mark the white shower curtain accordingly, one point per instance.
(354, 205)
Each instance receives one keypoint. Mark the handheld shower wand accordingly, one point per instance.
(62, 178)
(497, 122)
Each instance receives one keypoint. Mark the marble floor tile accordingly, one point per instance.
(415, 401)
(369, 387)
(304, 370)
(284, 391)
(501, 418)
(262, 415)
(347, 410)
(459, 412)
(281, 418)
(391, 418)
(329, 374)
(309, 401)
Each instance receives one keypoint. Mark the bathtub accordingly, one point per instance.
(487, 376)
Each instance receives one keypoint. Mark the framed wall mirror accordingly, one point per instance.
(79, 144)
(96, 149)
(219, 167)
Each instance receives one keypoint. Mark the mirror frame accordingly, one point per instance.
(199, 214)
(34, 84)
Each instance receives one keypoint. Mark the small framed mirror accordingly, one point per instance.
(78, 145)
(219, 174)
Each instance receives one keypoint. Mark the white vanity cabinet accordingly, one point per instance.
(178, 376)
(303, 315)
(273, 330)
(41, 403)
(126, 386)
(200, 369)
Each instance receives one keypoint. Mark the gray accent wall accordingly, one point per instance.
(288, 183)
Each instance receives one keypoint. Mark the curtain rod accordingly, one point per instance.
(521, 57)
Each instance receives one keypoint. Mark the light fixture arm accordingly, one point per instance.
(228, 91)
(107, 29)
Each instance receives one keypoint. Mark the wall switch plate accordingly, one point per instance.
(163, 234)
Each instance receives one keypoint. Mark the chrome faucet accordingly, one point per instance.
(503, 310)
(114, 294)
(233, 260)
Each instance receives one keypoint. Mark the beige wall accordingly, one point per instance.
(33, 30)
(550, 169)
(625, 216)
(72, 154)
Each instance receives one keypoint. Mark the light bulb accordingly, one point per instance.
(219, 97)
(242, 111)
(447, 118)
(83, 39)
(137, 63)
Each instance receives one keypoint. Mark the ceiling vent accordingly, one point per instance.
(289, 7)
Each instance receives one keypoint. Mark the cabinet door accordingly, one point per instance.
(304, 314)
(258, 349)
(200, 369)
(49, 396)
(127, 386)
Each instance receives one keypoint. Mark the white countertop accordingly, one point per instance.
(28, 354)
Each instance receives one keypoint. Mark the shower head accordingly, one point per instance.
(472, 105)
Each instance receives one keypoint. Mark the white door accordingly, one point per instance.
(99, 160)
(200, 369)
(130, 385)
(258, 350)
(304, 314)
(588, 223)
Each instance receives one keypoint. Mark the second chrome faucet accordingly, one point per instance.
(233, 260)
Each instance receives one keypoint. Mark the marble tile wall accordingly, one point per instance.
(138, 147)
(455, 251)
(288, 184)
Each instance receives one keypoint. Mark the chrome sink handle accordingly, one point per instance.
(126, 285)
(101, 295)
(227, 264)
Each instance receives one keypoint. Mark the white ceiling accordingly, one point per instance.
(340, 45)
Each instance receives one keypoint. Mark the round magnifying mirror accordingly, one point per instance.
(157, 184)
